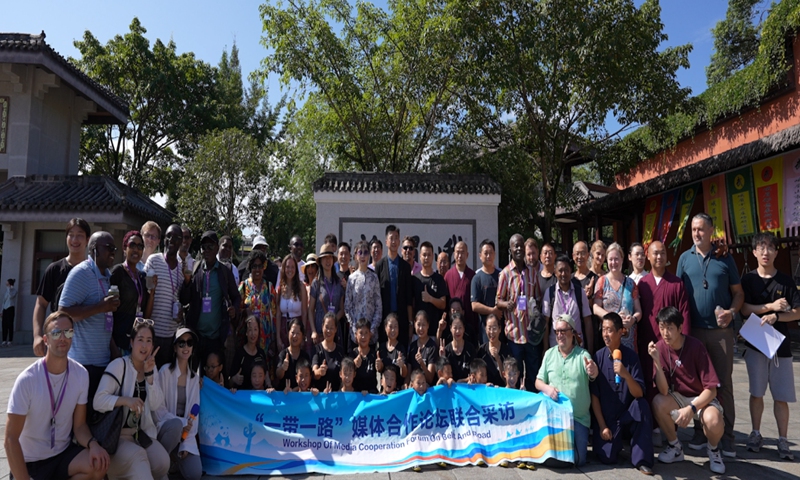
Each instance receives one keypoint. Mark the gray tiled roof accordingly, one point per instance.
(27, 42)
(77, 192)
(406, 183)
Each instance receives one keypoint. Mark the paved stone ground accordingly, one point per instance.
(764, 465)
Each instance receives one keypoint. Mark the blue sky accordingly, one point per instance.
(206, 28)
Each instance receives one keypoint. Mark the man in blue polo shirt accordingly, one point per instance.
(715, 295)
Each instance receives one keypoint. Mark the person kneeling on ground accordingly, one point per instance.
(687, 389)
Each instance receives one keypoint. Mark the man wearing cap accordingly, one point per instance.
(567, 368)
(212, 296)
(271, 271)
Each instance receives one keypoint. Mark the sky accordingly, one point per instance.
(207, 28)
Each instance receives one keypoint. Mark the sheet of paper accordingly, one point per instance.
(764, 337)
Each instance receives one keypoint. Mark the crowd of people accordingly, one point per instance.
(638, 355)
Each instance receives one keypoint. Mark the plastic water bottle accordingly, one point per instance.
(674, 414)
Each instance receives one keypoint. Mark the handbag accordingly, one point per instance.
(107, 427)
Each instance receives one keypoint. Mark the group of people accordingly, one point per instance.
(630, 352)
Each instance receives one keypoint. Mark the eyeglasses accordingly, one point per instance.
(563, 332)
(186, 343)
(110, 247)
(146, 321)
(362, 252)
(408, 247)
(211, 367)
(769, 249)
(256, 266)
(151, 236)
(208, 246)
(138, 246)
(55, 333)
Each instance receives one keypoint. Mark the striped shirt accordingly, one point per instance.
(166, 294)
(86, 286)
(509, 288)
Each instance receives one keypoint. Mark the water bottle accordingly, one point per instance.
(113, 291)
(675, 414)
(717, 312)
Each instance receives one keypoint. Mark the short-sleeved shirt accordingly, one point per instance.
(333, 360)
(165, 295)
(459, 362)
(54, 276)
(493, 369)
(565, 303)
(688, 371)
(85, 286)
(366, 378)
(243, 361)
(569, 376)
(759, 291)
(327, 294)
(586, 280)
(133, 298)
(720, 274)
(394, 272)
(615, 398)
(510, 285)
(291, 373)
(437, 288)
(430, 353)
(391, 357)
(31, 397)
(484, 290)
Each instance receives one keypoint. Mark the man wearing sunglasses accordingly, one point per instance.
(47, 407)
(87, 300)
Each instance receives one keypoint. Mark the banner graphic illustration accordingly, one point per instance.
(688, 194)
(742, 204)
(652, 209)
(668, 205)
(768, 177)
(255, 433)
(716, 205)
(791, 193)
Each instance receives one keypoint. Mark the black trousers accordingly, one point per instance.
(8, 324)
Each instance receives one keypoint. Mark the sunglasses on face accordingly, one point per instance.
(186, 343)
(362, 252)
(563, 332)
(408, 247)
(257, 266)
(138, 246)
(110, 248)
(55, 333)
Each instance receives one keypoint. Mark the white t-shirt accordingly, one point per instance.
(31, 398)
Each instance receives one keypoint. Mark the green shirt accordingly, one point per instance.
(208, 324)
(569, 376)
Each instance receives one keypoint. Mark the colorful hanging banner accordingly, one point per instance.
(768, 178)
(688, 194)
(652, 209)
(716, 205)
(668, 205)
(256, 433)
(741, 203)
(791, 193)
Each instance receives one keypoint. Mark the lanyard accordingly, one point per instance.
(103, 290)
(54, 406)
(565, 304)
(329, 289)
(171, 282)
(136, 283)
(208, 283)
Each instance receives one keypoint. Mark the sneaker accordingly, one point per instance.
(673, 453)
(416, 468)
(530, 466)
(481, 463)
(728, 448)
(521, 465)
(442, 465)
(698, 441)
(754, 442)
(783, 449)
(505, 464)
(715, 456)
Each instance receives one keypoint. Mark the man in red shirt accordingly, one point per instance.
(459, 285)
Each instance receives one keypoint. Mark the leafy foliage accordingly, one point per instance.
(376, 86)
(735, 40)
(744, 89)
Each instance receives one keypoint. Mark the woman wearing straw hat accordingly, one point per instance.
(326, 295)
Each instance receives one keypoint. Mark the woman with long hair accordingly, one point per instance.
(135, 300)
(293, 300)
(327, 295)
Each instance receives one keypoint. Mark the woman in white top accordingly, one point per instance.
(181, 387)
(293, 300)
(139, 455)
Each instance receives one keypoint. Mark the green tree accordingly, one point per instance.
(736, 40)
(376, 86)
(554, 81)
(223, 185)
(170, 97)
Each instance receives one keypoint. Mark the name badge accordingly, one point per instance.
(206, 304)
(176, 308)
(332, 308)
(522, 303)
(109, 321)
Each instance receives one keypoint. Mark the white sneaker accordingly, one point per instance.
(717, 466)
(673, 453)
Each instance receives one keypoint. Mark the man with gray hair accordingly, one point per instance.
(715, 294)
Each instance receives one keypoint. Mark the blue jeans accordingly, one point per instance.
(529, 360)
(581, 436)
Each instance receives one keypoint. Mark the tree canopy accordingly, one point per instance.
(736, 40)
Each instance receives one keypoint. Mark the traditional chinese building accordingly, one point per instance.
(440, 208)
(44, 102)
